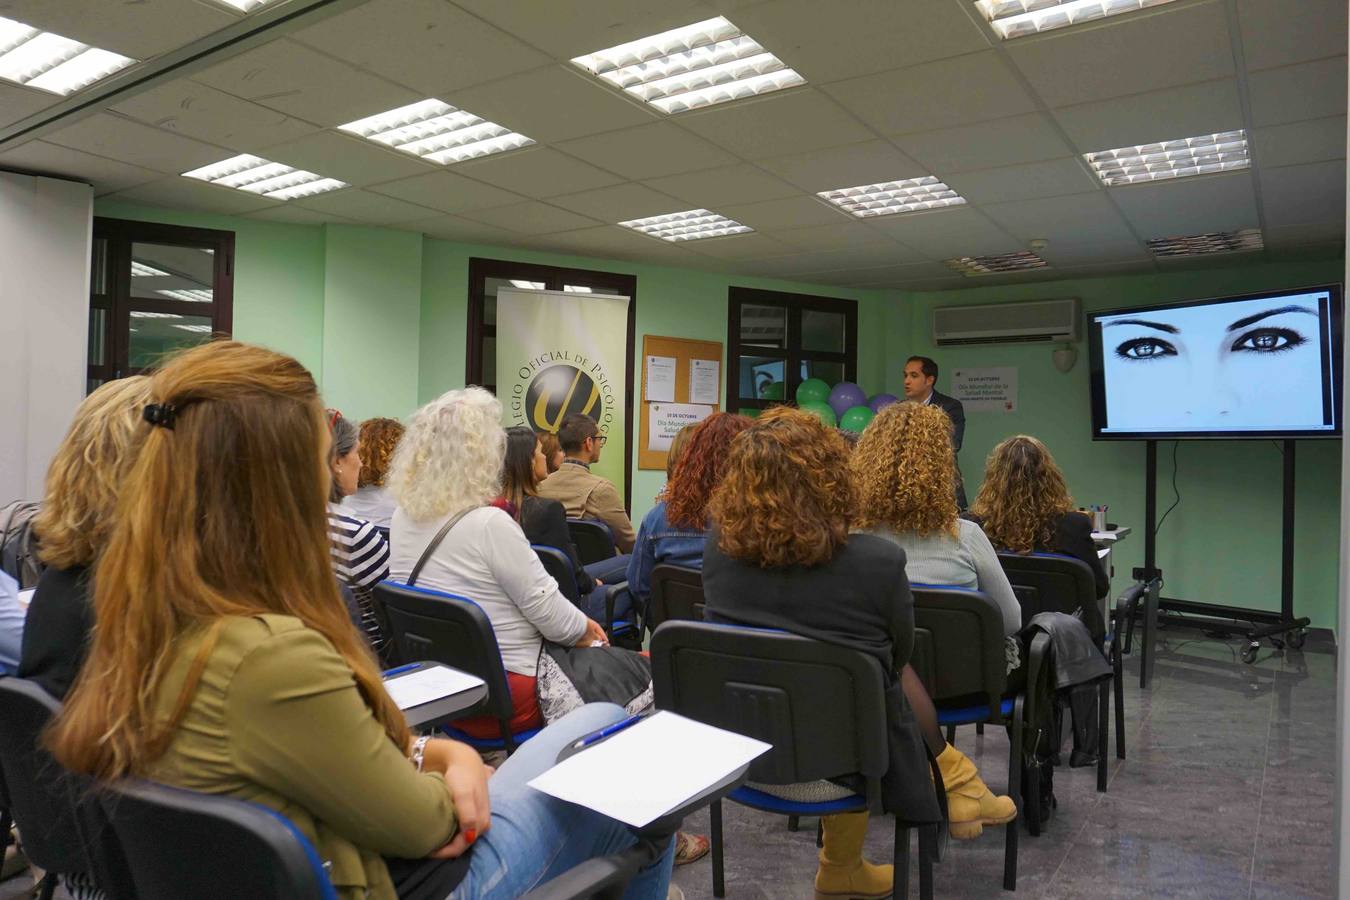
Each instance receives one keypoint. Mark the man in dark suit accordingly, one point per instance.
(920, 379)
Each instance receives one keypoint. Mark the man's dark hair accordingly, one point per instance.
(574, 430)
(930, 369)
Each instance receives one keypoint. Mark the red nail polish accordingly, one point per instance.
(470, 835)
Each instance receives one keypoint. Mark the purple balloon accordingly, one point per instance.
(881, 401)
(845, 396)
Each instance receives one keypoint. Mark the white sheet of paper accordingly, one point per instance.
(660, 379)
(26, 597)
(427, 685)
(1102, 553)
(664, 421)
(672, 758)
(705, 381)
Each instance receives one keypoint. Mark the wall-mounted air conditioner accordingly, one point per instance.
(1032, 322)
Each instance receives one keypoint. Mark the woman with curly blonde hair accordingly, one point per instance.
(1024, 506)
(372, 500)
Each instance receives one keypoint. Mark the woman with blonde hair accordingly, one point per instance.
(73, 526)
(224, 661)
(1024, 506)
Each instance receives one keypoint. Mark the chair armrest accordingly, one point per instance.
(593, 876)
(611, 595)
(1124, 613)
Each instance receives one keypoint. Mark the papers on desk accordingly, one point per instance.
(665, 761)
(426, 685)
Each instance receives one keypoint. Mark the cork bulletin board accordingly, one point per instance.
(681, 383)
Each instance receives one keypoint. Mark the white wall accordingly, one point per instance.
(45, 233)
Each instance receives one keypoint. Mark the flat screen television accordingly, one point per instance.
(1264, 365)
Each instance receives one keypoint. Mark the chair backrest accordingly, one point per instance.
(559, 565)
(677, 593)
(181, 843)
(959, 645)
(446, 628)
(594, 540)
(1053, 582)
(821, 706)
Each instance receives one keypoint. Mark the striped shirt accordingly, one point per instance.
(360, 555)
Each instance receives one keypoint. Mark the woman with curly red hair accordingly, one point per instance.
(673, 531)
(372, 500)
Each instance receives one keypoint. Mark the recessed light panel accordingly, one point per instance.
(192, 295)
(692, 67)
(690, 225)
(1202, 155)
(891, 197)
(198, 329)
(141, 270)
(245, 6)
(437, 132)
(527, 285)
(40, 59)
(276, 181)
(1212, 242)
(1020, 261)
(1019, 18)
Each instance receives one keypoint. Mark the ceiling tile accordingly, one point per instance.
(198, 111)
(291, 214)
(837, 236)
(537, 172)
(1000, 142)
(531, 218)
(944, 233)
(1051, 178)
(569, 30)
(648, 151)
(552, 104)
(367, 207)
(620, 203)
(934, 95)
(17, 102)
(463, 231)
(427, 45)
(1061, 255)
(1171, 45)
(1277, 33)
(189, 194)
(790, 212)
(1078, 219)
(739, 246)
(1182, 206)
(861, 37)
(1314, 140)
(1195, 109)
(920, 283)
(872, 274)
(861, 256)
(1291, 236)
(1304, 195)
(140, 29)
(305, 83)
(741, 183)
(348, 159)
(447, 192)
(842, 167)
(613, 242)
(105, 175)
(131, 142)
(793, 121)
(1308, 91)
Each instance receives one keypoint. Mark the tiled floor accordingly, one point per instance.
(1227, 792)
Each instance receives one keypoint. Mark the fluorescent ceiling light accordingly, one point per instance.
(140, 314)
(890, 197)
(40, 59)
(199, 329)
(690, 225)
(256, 175)
(528, 285)
(1202, 155)
(1019, 18)
(688, 68)
(437, 132)
(1020, 261)
(141, 270)
(192, 296)
(245, 6)
(1247, 239)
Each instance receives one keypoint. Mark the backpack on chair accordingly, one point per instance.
(19, 544)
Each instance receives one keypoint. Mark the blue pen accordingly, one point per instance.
(606, 732)
(399, 670)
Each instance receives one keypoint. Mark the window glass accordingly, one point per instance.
(154, 335)
(763, 326)
(167, 272)
(823, 330)
(98, 268)
(762, 378)
(830, 372)
(98, 337)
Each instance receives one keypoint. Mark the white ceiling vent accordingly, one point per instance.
(1036, 321)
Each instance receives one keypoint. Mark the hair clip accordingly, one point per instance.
(160, 414)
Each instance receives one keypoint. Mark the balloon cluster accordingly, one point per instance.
(844, 406)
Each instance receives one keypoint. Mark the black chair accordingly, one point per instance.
(559, 565)
(6, 820)
(445, 628)
(959, 655)
(677, 593)
(822, 707)
(594, 540)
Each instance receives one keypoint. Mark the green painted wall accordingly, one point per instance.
(1222, 543)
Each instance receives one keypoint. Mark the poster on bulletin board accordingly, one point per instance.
(681, 386)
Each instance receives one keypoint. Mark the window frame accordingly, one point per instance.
(792, 352)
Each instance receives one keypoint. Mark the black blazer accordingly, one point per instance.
(57, 630)
(544, 522)
(956, 412)
(1072, 536)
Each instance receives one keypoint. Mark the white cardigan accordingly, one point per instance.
(487, 559)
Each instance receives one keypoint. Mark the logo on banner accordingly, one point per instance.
(555, 385)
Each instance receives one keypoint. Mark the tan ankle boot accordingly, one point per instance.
(970, 803)
(843, 873)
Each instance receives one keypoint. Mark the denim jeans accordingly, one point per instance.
(535, 837)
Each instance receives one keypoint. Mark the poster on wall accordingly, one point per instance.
(560, 353)
(664, 421)
(989, 389)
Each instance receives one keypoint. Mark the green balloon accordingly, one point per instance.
(856, 418)
(822, 410)
(813, 390)
(773, 391)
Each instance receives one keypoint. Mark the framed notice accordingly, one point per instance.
(681, 385)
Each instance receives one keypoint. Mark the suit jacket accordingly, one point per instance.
(957, 413)
(587, 496)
